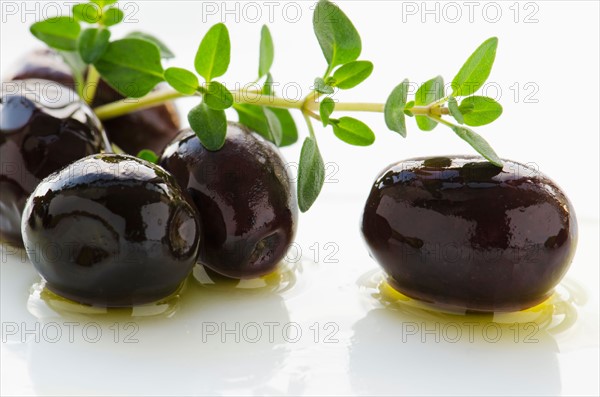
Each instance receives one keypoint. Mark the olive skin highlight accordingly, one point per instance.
(44, 126)
(463, 233)
(244, 196)
(122, 230)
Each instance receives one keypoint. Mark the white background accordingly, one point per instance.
(556, 55)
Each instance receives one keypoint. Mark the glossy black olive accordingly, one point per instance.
(464, 233)
(111, 230)
(245, 199)
(151, 128)
(43, 127)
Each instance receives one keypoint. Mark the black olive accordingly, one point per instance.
(111, 230)
(465, 233)
(151, 128)
(244, 196)
(43, 127)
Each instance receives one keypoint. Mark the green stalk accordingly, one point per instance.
(129, 105)
(311, 130)
(91, 84)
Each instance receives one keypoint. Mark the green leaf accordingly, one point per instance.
(311, 174)
(267, 52)
(274, 125)
(112, 16)
(210, 126)
(212, 58)
(353, 131)
(104, 3)
(480, 110)
(87, 12)
(182, 80)
(428, 92)
(288, 126)
(253, 117)
(92, 44)
(409, 105)
(60, 32)
(478, 143)
(217, 96)
(337, 36)
(322, 87)
(148, 155)
(394, 108)
(455, 111)
(352, 74)
(131, 66)
(268, 86)
(165, 52)
(476, 70)
(325, 109)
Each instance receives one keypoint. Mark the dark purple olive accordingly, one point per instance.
(111, 230)
(464, 233)
(244, 196)
(43, 127)
(151, 128)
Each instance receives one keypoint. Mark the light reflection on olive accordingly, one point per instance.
(245, 199)
(125, 233)
(43, 127)
(462, 232)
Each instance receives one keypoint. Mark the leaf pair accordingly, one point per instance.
(473, 111)
(345, 77)
(347, 129)
(341, 45)
(62, 33)
(337, 36)
(208, 119)
(95, 12)
(132, 65)
(274, 124)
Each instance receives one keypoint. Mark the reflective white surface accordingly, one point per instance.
(373, 349)
(315, 328)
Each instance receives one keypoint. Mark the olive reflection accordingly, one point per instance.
(207, 348)
(405, 347)
(391, 353)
